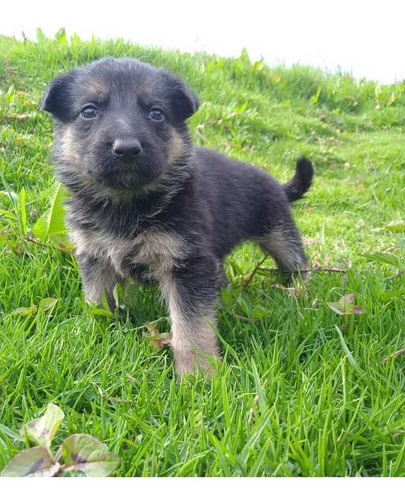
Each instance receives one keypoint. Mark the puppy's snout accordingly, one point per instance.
(127, 149)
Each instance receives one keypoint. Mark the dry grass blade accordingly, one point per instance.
(395, 355)
(324, 269)
(21, 117)
(396, 275)
(244, 318)
(256, 268)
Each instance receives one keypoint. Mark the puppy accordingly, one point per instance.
(147, 205)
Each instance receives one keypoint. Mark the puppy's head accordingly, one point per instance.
(119, 124)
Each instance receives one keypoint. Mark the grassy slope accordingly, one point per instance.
(287, 400)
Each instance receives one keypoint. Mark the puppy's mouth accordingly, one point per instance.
(119, 174)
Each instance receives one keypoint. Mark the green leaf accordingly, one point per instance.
(40, 229)
(56, 218)
(335, 306)
(35, 462)
(85, 453)
(48, 303)
(345, 306)
(52, 222)
(158, 340)
(384, 258)
(25, 311)
(42, 430)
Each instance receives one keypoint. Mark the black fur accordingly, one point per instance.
(199, 200)
(301, 182)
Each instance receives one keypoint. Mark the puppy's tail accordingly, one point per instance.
(301, 182)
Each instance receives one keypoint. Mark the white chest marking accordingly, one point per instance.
(156, 249)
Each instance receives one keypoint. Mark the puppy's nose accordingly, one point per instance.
(127, 148)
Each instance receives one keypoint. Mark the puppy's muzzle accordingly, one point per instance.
(127, 149)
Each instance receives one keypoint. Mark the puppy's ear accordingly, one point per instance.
(184, 102)
(56, 98)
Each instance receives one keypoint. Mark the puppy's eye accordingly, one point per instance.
(89, 111)
(156, 114)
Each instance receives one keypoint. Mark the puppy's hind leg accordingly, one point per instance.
(284, 244)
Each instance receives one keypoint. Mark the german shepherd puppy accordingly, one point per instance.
(147, 205)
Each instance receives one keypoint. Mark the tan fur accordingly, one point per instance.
(104, 279)
(153, 248)
(68, 150)
(194, 342)
(176, 148)
(98, 87)
(283, 250)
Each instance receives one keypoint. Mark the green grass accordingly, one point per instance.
(292, 397)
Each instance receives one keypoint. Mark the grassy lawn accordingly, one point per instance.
(301, 390)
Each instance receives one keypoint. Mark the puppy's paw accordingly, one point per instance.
(301, 275)
(192, 362)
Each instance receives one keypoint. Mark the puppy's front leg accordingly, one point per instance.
(97, 276)
(191, 292)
